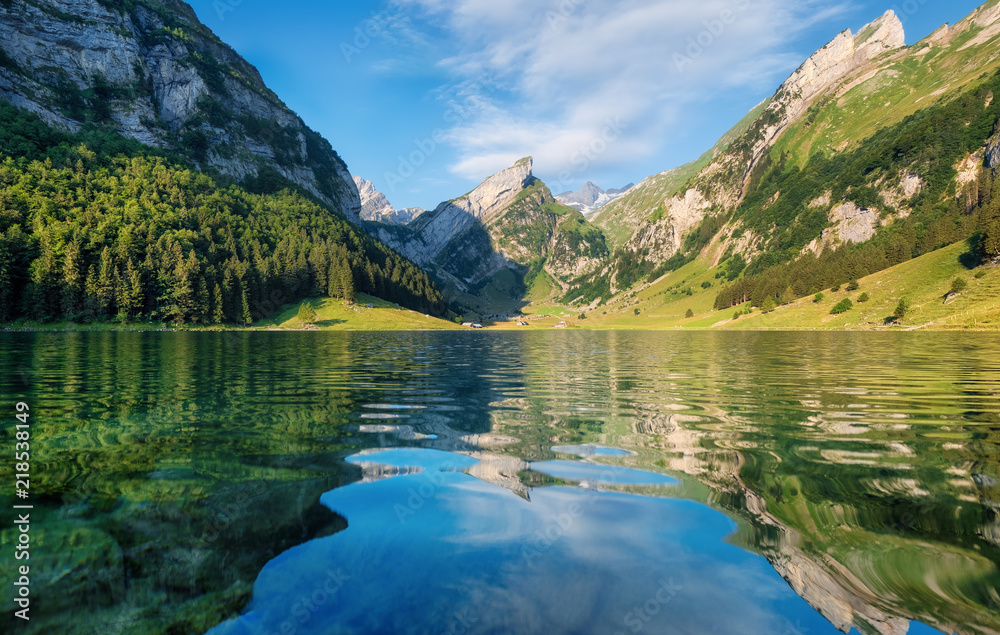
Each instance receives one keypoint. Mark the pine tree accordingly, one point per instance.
(92, 300)
(43, 289)
(788, 296)
(105, 289)
(119, 286)
(202, 307)
(245, 307)
(307, 314)
(184, 296)
(6, 286)
(72, 280)
(320, 269)
(990, 240)
(218, 314)
(347, 283)
(335, 287)
(132, 298)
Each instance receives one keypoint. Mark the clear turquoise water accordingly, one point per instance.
(527, 483)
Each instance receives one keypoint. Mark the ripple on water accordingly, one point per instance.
(587, 450)
(600, 473)
(446, 552)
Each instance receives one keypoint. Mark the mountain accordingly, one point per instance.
(590, 198)
(724, 178)
(153, 72)
(489, 246)
(150, 175)
(375, 207)
(871, 153)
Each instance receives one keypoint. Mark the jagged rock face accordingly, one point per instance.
(590, 198)
(375, 207)
(841, 56)
(508, 222)
(495, 193)
(663, 239)
(433, 231)
(993, 152)
(722, 183)
(161, 77)
(844, 55)
(851, 224)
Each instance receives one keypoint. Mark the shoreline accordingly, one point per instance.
(109, 328)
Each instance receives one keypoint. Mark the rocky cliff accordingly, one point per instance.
(151, 70)
(433, 231)
(656, 216)
(376, 208)
(843, 56)
(726, 179)
(507, 227)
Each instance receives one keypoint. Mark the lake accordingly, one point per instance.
(544, 482)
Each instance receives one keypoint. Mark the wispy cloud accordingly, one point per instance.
(562, 71)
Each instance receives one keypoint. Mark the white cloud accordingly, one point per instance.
(558, 73)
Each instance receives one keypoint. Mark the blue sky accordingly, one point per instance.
(428, 97)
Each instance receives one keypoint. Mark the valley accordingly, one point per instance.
(859, 163)
(266, 397)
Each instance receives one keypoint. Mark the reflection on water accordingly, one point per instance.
(446, 552)
(178, 475)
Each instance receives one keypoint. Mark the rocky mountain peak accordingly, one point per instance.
(496, 192)
(373, 202)
(586, 195)
(433, 231)
(842, 55)
(590, 198)
(375, 206)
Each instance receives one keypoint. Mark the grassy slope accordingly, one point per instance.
(334, 315)
(908, 82)
(923, 281)
(652, 192)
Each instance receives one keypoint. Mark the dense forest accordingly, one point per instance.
(96, 227)
(930, 144)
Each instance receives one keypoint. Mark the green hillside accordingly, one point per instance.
(620, 217)
(892, 161)
(932, 70)
(336, 315)
(95, 227)
(924, 282)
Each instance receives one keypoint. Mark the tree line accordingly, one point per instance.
(131, 236)
(929, 143)
(904, 240)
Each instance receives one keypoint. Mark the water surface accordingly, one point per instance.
(529, 482)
